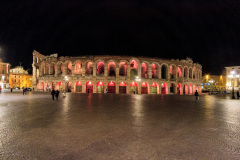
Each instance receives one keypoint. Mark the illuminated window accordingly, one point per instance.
(209, 84)
(205, 84)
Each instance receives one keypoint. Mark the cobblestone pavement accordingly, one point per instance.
(108, 126)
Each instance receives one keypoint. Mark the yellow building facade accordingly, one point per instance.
(20, 78)
(213, 83)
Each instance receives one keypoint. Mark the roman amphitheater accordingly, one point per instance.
(115, 74)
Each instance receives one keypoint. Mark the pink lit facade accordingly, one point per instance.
(116, 74)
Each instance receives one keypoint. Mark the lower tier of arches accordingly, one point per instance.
(124, 87)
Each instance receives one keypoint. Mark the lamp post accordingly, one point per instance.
(233, 75)
(137, 79)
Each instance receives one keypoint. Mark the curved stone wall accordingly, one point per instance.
(116, 74)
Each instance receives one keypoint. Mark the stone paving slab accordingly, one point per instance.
(118, 126)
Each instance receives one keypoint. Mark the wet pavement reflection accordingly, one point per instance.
(108, 126)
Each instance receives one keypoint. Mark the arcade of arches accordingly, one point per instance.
(116, 74)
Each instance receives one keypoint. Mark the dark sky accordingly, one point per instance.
(207, 31)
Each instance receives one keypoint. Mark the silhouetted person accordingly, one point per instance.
(196, 95)
(11, 90)
(57, 94)
(53, 94)
(237, 94)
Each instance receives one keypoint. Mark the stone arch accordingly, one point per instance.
(190, 75)
(60, 67)
(185, 72)
(47, 68)
(42, 68)
(123, 67)
(134, 67)
(180, 71)
(164, 71)
(155, 69)
(52, 68)
(77, 67)
(144, 69)
(89, 67)
(112, 65)
(68, 69)
(172, 71)
(100, 66)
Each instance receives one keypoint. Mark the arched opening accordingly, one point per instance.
(185, 72)
(42, 87)
(59, 86)
(155, 71)
(111, 87)
(144, 70)
(154, 88)
(69, 68)
(190, 73)
(172, 72)
(60, 69)
(47, 69)
(179, 88)
(42, 68)
(164, 88)
(78, 68)
(52, 69)
(133, 88)
(46, 87)
(172, 87)
(89, 87)
(133, 69)
(179, 74)
(68, 87)
(100, 68)
(144, 88)
(112, 69)
(122, 87)
(52, 86)
(100, 87)
(89, 68)
(78, 86)
(190, 89)
(123, 69)
(194, 88)
(185, 89)
(164, 72)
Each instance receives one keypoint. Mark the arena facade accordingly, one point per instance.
(115, 74)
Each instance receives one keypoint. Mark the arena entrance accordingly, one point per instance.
(111, 87)
(144, 88)
(133, 88)
(164, 88)
(154, 88)
(190, 89)
(59, 86)
(122, 87)
(89, 87)
(100, 87)
(68, 87)
(179, 89)
(172, 86)
(79, 87)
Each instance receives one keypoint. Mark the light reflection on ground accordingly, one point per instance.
(104, 126)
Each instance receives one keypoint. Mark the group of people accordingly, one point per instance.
(56, 94)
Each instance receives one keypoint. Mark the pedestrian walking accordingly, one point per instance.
(196, 95)
(53, 94)
(11, 90)
(57, 94)
(237, 94)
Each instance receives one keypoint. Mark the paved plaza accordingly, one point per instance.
(118, 126)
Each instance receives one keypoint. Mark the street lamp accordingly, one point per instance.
(233, 75)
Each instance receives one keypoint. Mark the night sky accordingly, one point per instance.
(207, 31)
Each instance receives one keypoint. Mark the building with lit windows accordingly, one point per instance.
(232, 78)
(213, 83)
(116, 74)
(4, 74)
(19, 77)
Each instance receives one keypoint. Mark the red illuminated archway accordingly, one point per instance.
(190, 89)
(164, 88)
(133, 88)
(144, 88)
(89, 87)
(111, 87)
(122, 87)
(144, 70)
(100, 87)
(185, 89)
(78, 86)
(179, 88)
(155, 88)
